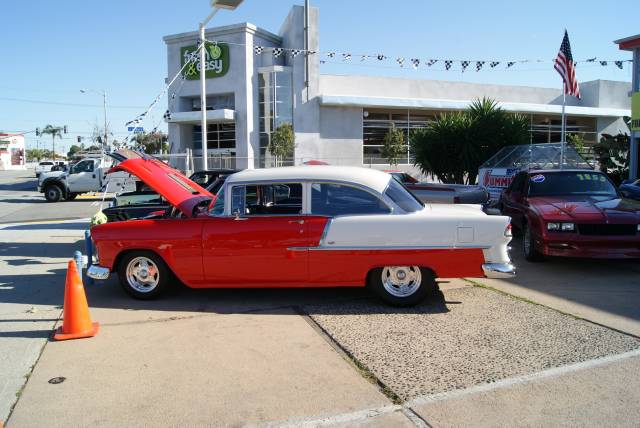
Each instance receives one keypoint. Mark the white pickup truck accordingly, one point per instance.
(87, 175)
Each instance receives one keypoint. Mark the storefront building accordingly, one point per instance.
(12, 154)
(340, 119)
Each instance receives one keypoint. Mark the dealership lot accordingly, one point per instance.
(472, 355)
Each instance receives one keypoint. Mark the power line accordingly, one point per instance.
(25, 100)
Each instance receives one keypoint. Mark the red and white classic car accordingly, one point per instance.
(298, 227)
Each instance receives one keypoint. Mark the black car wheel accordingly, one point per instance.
(528, 246)
(143, 274)
(53, 193)
(402, 285)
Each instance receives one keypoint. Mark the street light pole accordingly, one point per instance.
(104, 106)
(215, 4)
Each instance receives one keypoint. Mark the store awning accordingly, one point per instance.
(194, 117)
(453, 105)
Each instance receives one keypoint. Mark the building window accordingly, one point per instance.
(375, 126)
(275, 99)
(220, 136)
(215, 102)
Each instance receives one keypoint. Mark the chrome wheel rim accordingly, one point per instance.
(401, 281)
(142, 274)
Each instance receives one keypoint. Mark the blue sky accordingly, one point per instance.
(51, 50)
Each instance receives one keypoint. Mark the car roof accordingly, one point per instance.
(371, 178)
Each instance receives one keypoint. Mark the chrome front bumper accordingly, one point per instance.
(499, 270)
(98, 272)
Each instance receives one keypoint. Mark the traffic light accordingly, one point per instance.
(37, 132)
(79, 139)
(65, 129)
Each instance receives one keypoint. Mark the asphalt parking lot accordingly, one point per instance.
(558, 345)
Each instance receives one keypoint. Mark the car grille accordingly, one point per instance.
(607, 229)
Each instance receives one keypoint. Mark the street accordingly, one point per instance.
(556, 345)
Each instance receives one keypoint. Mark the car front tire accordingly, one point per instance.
(143, 274)
(402, 285)
(53, 193)
(528, 246)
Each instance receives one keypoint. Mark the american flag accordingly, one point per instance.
(565, 66)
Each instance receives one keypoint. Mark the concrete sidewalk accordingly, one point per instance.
(203, 369)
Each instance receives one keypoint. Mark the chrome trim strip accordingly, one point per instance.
(325, 232)
(499, 270)
(381, 248)
(98, 272)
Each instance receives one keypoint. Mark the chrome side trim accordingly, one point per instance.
(381, 248)
(98, 272)
(499, 270)
(325, 232)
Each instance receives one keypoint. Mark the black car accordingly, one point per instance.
(154, 203)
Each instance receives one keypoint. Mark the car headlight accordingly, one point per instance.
(562, 227)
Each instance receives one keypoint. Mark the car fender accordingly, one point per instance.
(54, 180)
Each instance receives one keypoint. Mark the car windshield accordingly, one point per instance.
(570, 183)
(402, 197)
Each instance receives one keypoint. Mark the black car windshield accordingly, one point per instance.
(570, 183)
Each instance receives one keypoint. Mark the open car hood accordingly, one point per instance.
(177, 189)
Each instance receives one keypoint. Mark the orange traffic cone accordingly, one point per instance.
(76, 320)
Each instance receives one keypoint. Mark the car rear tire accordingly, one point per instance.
(53, 193)
(143, 274)
(528, 246)
(402, 285)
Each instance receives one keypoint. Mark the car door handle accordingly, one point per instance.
(296, 221)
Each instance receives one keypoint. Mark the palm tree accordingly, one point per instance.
(54, 131)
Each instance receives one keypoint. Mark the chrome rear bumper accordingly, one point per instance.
(499, 270)
(98, 272)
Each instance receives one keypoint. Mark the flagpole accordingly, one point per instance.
(563, 128)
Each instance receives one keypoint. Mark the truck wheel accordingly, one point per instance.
(143, 274)
(402, 285)
(53, 193)
(528, 246)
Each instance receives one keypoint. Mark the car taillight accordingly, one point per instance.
(507, 230)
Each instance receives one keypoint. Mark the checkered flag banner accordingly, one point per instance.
(346, 56)
(294, 52)
(431, 62)
(364, 57)
(331, 54)
(591, 59)
(277, 52)
(479, 65)
(603, 63)
(381, 57)
(510, 63)
(415, 62)
(447, 64)
(618, 64)
(464, 65)
(400, 61)
(167, 116)
(258, 50)
(492, 64)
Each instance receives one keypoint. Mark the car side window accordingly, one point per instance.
(267, 199)
(82, 166)
(337, 199)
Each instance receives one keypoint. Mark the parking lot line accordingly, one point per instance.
(518, 380)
